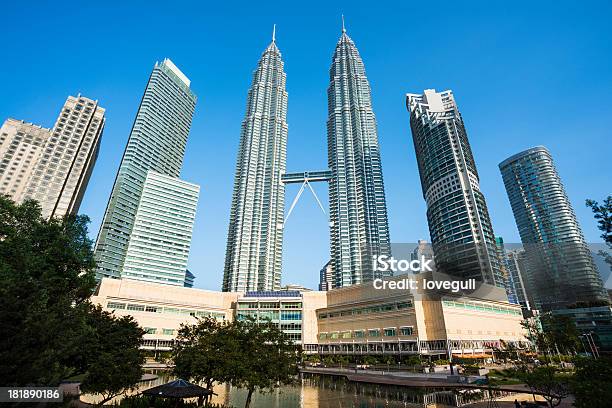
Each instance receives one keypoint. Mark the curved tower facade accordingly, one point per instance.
(253, 256)
(562, 271)
(457, 214)
(358, 210)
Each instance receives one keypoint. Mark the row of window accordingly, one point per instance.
(154, 330)
(270, 305)
(357, 334)
(482, 307)
(134, 307)
(388, 307)
(270, 315)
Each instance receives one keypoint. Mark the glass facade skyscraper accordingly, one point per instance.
(358, 211)
(516, 264)
(562, 271)
(157, 142)
(457, 214)
(253, 258)
(159, 244)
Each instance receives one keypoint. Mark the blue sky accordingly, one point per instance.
(524, 74)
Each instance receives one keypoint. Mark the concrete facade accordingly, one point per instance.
(52, 166)
(353, 320)
(21, 145)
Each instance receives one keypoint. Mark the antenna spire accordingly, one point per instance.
(274, 33)
(343, 29)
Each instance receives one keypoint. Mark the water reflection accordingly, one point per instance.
(328, 392)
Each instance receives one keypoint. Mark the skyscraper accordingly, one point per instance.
(157, 142)
(562, 270)
(21, 145)
(508, 284)
(516, 263)
(459, 223)
(159, 244)
(326, 277)
(54, 169)
(253, 257)
(358, 211)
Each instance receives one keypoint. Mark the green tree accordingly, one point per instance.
(535, 334)
(561, 333)
(264, 358)
(603, 215)
(46, 277)
(545, 381)
(51, 331)
(202, 351)
(591, 382)
(113, 358)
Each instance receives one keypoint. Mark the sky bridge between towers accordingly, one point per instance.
(305, 178)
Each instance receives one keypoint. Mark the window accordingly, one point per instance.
(150, 330)
(152, 309)
(115, 305)
(268, 305)
(322, 336)
(293, 305)
(404, 305)
(359, 333)
(373, 333)
(291, 315)
(406, 331)
(247, 305)
(346, 335)
(168, 332)
(390, 331)
(136, 308)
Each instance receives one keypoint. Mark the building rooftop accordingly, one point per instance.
(522, 154)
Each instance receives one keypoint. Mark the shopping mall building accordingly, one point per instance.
(354, 320)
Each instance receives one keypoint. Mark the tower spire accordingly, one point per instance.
(343, 29)
(274, 33)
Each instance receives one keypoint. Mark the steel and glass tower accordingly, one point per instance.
(562, 271)
(157, 142)
(253, 256)
(459, 223)
(358, 211)
(161, 238)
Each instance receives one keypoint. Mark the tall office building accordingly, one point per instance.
(326, 275)
(159, 244)
(516, 264)
(459, 223)
(358, 211)
(21, 145)
(423, 252)
(563, 271)
(508, 284)
(54, 169)
(253, 256)
(157, 142)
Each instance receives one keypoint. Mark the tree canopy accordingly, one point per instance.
(603, 214)
(591, 382)
(256, 356)
(51, 331)
(203, 350)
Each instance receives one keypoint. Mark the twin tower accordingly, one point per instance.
(359, 228)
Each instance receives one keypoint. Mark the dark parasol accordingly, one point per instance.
(178, 389)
